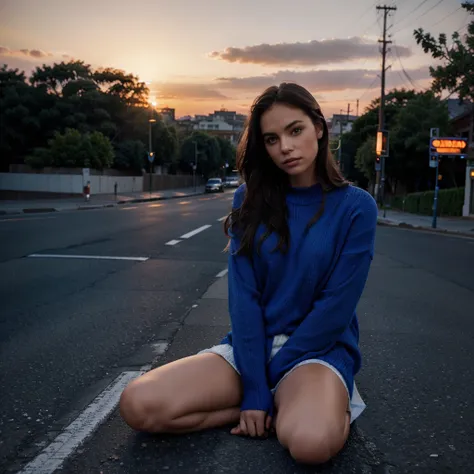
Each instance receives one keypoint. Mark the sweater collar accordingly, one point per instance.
(305, 195)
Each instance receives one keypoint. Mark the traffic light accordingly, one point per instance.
(378, 165)
(381, 147)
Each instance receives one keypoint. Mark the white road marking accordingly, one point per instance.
(155, 205)
(222, 273)
(129, 208)
(222, 219)
(54, 455)
(194, 232)
(26, 219)
(92, 257)
(173, 242)
(160, 348)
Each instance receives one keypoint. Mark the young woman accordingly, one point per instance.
(301, 244)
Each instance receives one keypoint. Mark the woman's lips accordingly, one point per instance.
(291, 162)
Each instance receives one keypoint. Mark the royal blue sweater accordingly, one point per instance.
(309, 293)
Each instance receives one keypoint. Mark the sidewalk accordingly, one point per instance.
(96, 201)
(450, 225)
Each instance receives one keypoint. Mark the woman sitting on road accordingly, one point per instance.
(301, 245)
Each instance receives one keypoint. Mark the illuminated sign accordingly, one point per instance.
(449, 146)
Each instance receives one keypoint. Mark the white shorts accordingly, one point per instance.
(356, 404)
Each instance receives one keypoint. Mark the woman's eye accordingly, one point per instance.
(297, 130)
(271, 140)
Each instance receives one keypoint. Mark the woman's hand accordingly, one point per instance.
(254, 423)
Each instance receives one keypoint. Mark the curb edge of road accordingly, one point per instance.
(403, 225)
(38, 210)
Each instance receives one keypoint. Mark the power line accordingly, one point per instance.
(446, 17)
(420, 16)
(371, 87)
(403, 78)
(413, 11)
(412, 82)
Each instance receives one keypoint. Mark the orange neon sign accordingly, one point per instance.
(449, 144)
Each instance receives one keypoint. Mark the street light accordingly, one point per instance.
(195, 165)
(151, 154)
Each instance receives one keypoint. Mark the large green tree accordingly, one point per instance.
(456, 73)
(409, 141)
(411, 115)
(74, 149)
(209, 158)
(228, 153)
(71, 95)
(27, 116)
(365, 128)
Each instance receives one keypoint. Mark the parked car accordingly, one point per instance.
(231, 182)
(214, 185)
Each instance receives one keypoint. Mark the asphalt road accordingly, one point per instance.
(69, 327)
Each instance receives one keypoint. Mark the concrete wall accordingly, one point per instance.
(468, 208)
(68, 183)
(160, 182)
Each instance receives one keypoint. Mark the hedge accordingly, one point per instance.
(450, 202)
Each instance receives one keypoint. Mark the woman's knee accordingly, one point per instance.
(315, 444)
(142, 409)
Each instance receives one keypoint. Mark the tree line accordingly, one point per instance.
(70, 115)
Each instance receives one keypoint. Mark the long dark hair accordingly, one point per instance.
(267, 185)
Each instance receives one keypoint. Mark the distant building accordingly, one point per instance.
(224, 123)
(168, 115)
(341, 123)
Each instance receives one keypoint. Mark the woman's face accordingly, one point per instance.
(291, 140)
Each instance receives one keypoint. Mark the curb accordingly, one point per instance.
(161, 198)
(403, 225)
(38, 210)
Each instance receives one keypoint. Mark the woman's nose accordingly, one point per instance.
(286, 145)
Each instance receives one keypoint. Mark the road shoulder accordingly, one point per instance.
(116, 448)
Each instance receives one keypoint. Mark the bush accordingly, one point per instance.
(130, 155)
(450, 202)
(74, 149)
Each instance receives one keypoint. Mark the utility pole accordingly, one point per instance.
(380, 172)
(339, 151)
(349, 110)
(357, 113)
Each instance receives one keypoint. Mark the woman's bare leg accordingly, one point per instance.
(195, 393)
(313, 418)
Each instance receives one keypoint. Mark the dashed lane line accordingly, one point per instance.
(194, 232)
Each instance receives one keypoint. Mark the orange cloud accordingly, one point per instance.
(320, 80)
(310, 53)
(24, 53)
(181, 90)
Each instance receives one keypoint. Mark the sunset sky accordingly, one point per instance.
(201, 55)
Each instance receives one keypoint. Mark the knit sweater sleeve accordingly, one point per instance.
(333, 309)
(248, 329)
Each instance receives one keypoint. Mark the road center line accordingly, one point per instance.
(222, 219)
(92, 257)
(194, 232)
(54, 455)
(222, 273)
(173, 242)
